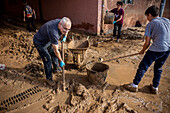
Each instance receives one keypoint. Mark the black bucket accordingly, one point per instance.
(109, 18)
(97, 72)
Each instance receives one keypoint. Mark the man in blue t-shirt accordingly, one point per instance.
(46, 42)
(159, 29)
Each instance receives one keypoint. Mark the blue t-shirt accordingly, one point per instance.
(159, 30)
(48, 32)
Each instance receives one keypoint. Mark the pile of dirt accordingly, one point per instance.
(88, 100)
(35, 69)
(133, 33)
(18, 46)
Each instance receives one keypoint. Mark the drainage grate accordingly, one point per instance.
(17, 98)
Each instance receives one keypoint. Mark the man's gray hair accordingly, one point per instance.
(66, 21)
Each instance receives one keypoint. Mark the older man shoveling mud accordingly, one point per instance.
(46, 42)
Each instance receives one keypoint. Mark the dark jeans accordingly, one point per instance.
(149, 58)
(115, 29)
(30, 20)
(49, 58)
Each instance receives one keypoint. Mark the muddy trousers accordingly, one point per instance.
(49, 58)
(115, 29)
(30, 20)
(159, 58)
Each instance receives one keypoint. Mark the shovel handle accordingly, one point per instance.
(63, 74)
(121, 57)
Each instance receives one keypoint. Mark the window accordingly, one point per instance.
(127, 1)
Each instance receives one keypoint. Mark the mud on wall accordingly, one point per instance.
(83, 13)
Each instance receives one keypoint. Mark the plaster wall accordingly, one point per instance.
(83, 13)
(16, 8)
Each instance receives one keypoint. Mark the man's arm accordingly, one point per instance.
(57, 53)
(34, 14)
(146, 45)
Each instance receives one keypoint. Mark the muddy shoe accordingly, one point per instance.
(130, 87)
(153, 90)
(113, 37)
(51, 82)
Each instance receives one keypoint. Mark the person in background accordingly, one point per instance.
(46, 42)
(118, 21)
(29, 16)
(159, 29)
(138, 24)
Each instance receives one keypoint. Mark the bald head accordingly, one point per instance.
(66, 22)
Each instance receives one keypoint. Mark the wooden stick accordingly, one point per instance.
(63, 74)
(121, 57)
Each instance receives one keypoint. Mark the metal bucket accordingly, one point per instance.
(97, 72)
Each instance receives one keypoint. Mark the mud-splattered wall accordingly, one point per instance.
(85, 14)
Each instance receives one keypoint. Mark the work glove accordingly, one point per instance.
(114, 22)
(64, 39)
(106, 11)
(62, 63)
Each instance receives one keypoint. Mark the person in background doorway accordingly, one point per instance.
(46, 42)
(159, 29)
(29, 16)
(118, 21)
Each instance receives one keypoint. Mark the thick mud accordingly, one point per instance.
(23, 87)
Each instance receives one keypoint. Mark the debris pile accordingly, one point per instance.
(19, 46)
(90, 100)
(36, 69)
(133, 33)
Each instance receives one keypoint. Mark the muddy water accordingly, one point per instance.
(120, 73)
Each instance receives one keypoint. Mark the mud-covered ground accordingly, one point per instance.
(23, 87)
